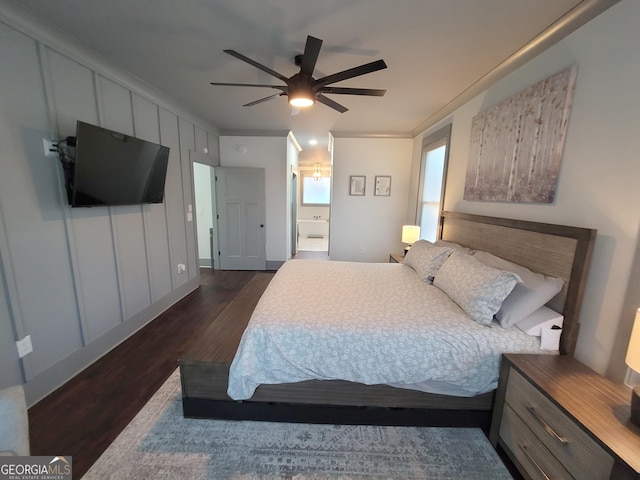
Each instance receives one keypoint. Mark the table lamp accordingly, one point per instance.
(633, 361)
(410, 235)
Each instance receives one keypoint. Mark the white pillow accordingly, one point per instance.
(425, 258)
(544, 317)
(531, 293)
(478, 289)
(454, 246)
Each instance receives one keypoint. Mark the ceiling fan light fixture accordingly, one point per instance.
(301, 98)
(302, 89)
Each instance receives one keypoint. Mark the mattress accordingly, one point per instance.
(372, 323)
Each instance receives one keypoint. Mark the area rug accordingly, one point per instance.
(160, 444)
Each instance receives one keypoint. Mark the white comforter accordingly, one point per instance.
(372, 323)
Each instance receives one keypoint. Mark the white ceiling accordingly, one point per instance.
(435, 50)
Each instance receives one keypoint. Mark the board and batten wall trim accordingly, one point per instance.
(80, 281)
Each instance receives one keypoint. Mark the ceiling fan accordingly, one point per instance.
(302, 89)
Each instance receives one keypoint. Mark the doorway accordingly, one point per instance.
(241, 212)
(204, 195)
(314, 208)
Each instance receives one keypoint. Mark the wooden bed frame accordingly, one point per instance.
(555, 250)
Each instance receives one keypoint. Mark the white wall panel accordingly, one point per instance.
(114, 106)
(11, 373)
(132, 258)
(116, 113)
(74, 97)
(147, 127)
(32, 209)
(173, 196)
(74, 94)
(187, 142)
(200, 140)
(97, 279)
(213, 144)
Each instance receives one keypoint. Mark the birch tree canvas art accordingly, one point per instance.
(516, 146)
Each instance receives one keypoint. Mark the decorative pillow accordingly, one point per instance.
(453, 246)
(531, 293)
(425, 258)
(478, 289)
(544, 317)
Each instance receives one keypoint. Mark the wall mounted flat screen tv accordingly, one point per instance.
(112, 168)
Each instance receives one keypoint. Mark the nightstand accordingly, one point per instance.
(396, 258)
(556, 418)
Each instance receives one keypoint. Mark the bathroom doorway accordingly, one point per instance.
(204, 196)
(314, 208)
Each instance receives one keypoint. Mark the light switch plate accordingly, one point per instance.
(24, 346)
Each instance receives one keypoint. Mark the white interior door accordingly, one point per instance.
(240, 202)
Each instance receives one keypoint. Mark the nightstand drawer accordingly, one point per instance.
(534, 457)
(575, 450)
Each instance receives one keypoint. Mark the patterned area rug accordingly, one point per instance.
(160, 444)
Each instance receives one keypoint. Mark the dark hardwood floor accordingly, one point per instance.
(85, 415)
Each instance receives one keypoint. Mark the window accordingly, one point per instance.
(316, 191)
(435, 149)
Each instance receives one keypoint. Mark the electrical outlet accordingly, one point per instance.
(182, 268)
(24, 346)
(50, 148)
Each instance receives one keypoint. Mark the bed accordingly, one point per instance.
(285, 370)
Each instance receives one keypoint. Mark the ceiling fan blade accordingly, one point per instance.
(223, 84)
(273, 73)
(354, 91)
(330, 103)
(250, 104)
(350, 73)
(310, 56)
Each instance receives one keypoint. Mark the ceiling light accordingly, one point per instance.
(313, 141)
(302, 98)
(317, 175)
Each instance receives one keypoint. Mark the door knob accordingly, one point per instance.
(262, 225)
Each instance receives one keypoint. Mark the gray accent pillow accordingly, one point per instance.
(478, 289)
(531, 293)
(425, 258)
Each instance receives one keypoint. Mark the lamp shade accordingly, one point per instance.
(633, 351)
(411, 234)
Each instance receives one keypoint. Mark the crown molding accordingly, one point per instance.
(254, 133)
(352, 134)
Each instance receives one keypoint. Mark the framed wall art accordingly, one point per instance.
(357, 185)
(516, 146)
(383, 186)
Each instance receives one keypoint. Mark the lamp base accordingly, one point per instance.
(635, 406)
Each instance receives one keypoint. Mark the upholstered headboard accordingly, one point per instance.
(554, 250)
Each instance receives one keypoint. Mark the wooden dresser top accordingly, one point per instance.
(595, 402)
